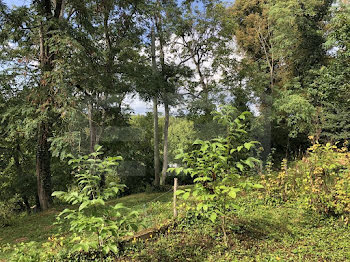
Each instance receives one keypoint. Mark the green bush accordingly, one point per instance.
(320, 181)
(216, 166)
(95, 226)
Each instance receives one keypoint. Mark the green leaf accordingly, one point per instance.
(84, 205)
(257, 186)
(232, 194)
(58, 193)
(213, 217)
(186, 195)
(198, 142)
(119, 206)
(105, 250)
(179, 192)
(239, 166)
(114, 249)
(248, 145)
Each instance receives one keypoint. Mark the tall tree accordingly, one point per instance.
(47, 31)
(281, 43)
(165, 95)
(171, 71)
(330, 88)
(155, 113)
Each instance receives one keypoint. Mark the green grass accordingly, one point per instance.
(153, 207)
(256, 232)
(37, 227)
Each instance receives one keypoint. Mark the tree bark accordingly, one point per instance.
(166, 133)
(156, 142)
(155, 116)
(43, 163)
(166, 103)
(92, 127)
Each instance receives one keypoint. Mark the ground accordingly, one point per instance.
(257, 232)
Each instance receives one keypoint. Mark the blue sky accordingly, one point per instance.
(10, 3)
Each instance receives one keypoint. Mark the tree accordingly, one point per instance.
(33, 32)
(330, 90)
(170, 72)
(57, 81)
(155, 114)
(281, 42)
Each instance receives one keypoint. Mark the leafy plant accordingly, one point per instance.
(96, 225)
(7, 214)
(216, 168)
(320, 180)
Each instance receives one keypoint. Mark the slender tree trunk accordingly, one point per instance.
(156, 142)
(166, 133)
(267, 99)
(43, 156)
(43, 165)
(166, 104)
(92, 127)
(155, 116)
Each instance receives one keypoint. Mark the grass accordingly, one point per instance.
(256, 232)
(39, 227)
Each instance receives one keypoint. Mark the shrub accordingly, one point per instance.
(95, 225)
(216, 167)
(321, 180)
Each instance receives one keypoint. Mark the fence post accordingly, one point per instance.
(174, 198)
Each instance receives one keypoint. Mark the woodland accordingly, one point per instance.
(174, 130)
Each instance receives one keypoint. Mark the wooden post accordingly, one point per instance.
(174, 200)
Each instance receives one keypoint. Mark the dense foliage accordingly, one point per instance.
(141, 79)
(319, 181)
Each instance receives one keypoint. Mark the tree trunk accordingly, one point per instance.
(43, 163)
(166, 133)
(205, 91)
(156, 142)
(155, 116)
(165, 99)
(92, 127)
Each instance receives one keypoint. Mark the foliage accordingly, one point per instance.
(39, 228)
(277, 186)
(297, 112)
(216, 168)
(320, 181)
(330, 88)
(95, 225)
(181, 135)
(55, 249)
(7, 211)
(258, 232)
